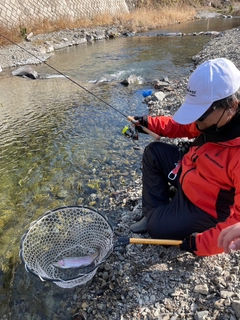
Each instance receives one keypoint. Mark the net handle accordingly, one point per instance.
(162, 242)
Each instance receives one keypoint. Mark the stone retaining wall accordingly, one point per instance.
(14, 13)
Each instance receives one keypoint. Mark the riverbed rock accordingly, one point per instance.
(25, 71)
(158, 96)
(112, 33)
(158, 84)
(133, 79)
(29, 36)
(99, 35)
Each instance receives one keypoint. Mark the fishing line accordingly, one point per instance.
(131, 119)
(62, 74)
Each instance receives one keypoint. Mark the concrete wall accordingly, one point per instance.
(14, 13)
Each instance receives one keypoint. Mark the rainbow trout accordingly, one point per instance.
(76, 262)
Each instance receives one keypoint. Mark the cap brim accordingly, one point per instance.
(189, 113)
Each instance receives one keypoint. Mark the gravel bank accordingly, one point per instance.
(149, 282)
(142, 281)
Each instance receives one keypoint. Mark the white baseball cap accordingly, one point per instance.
(213, 80)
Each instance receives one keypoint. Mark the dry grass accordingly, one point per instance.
(9, 35)
(138, 20)
(143, 19)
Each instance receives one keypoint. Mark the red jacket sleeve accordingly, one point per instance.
(167, 127)
(206, 242)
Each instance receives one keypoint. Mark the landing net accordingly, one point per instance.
(66, 232)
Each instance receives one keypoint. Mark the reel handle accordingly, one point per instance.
(153, 134)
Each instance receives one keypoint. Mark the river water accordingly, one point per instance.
(62, 146)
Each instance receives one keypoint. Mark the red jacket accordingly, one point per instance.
(210, 176)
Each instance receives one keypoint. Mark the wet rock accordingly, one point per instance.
(170, 34)
(61, 194)
(212, 33)
(89, 37)
(25, 71)
(99, 35)
(112, 33)
(133, 79)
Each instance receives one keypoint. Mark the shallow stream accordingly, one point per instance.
(61, 145)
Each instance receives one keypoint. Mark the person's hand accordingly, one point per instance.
(143, 121)
(229, 238)
(189, 244)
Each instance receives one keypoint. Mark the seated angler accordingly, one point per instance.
(207, 176)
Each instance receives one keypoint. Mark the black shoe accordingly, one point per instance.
(140, 226)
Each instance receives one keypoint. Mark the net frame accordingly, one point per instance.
(66, 231)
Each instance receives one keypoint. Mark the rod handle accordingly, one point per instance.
(153, 134)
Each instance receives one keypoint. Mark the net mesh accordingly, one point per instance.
(66, 232)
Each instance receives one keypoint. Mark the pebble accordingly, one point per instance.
(203, 289)
(201, 315)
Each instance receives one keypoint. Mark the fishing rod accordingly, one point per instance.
(129, 118)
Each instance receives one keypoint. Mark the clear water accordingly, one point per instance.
(60, 145)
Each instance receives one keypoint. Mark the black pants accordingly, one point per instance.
(168, 220)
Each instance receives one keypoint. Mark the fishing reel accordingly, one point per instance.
(130, 132)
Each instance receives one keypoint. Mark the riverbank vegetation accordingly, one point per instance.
(145, 15)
